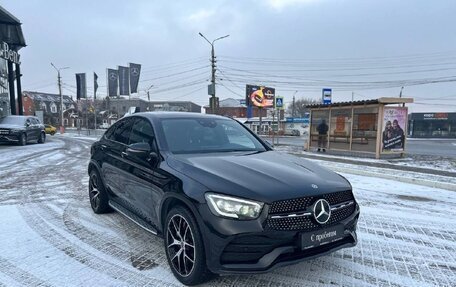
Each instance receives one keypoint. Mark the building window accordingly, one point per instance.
(43, 107)
(53, 108)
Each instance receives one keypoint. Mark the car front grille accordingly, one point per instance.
(4, 132)
(295, 214)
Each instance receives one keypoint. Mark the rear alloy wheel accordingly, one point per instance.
(23, 139)
(42, 138)
(185, 248)
(97, 194)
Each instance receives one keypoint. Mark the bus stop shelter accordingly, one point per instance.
(374, 128)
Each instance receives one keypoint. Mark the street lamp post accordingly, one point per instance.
(60, 94)
(212, 90)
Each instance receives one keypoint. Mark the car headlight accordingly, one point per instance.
(223, 205)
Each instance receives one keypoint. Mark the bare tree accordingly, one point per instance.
(300, 109)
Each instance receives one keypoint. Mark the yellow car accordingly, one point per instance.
(50, 129)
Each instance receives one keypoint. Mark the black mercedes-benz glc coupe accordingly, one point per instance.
(222, 199)
(21, 130)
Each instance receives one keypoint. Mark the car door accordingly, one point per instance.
(38, 127)
(114, 168)
(143, 183)
(30, 129)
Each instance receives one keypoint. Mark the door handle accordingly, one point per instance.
(103, 147)
(123, 154)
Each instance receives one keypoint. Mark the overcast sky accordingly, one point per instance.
(370, 48)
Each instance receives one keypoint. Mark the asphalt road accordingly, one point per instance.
(432, 147)
(50, 236)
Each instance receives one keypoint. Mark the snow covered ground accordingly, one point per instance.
(50, 237)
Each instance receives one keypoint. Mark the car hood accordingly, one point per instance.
(10, 126)
(266, 176)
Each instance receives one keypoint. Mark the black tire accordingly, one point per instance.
(187, 272)
(42, 138)
(23, 139)
(52, 133)
(97, 194)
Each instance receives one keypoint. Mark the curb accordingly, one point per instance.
(379, 165)
(428, 183)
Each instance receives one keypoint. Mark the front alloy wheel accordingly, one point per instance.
(23, 139)
(185, 248)
(182, 245)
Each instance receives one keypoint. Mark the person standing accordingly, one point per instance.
(322, 129)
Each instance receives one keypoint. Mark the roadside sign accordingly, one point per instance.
(326, 96)
(279, 103)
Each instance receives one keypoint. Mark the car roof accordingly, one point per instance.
(176, 115)
(17, 116)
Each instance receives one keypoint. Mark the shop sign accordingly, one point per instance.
(436, 116)
(8, 54)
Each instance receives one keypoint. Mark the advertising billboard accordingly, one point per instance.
(394, 127)
(260, 96)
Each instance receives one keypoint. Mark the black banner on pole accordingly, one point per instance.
(113, 76)
(81, 86)
(135, 71)
(124, 81)
(95, 85)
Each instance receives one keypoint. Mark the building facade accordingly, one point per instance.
(11, 41)
(432, 125)
(120, 106)
(48, 105)
(233, 108)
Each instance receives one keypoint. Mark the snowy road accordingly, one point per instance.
(50, 237)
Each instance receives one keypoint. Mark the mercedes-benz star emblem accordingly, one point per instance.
(134, 71)
(322, 211)
(314, 186)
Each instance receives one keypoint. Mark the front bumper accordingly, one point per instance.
(9, 138)
(237, 247)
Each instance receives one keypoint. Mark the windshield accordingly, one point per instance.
(11, 120)
(202, 135)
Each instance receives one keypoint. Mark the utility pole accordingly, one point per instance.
(293, 107)
(353, 96)
(60, 94)
(212, 101)
(400, 94)
(148, 97)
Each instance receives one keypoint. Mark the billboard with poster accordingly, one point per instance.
(260, 96)
(393, 129)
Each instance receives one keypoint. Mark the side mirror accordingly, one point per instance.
(138, 149)
(27, 124)
(142, 151)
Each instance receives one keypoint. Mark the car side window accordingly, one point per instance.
(142, 132)
(120, 131)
